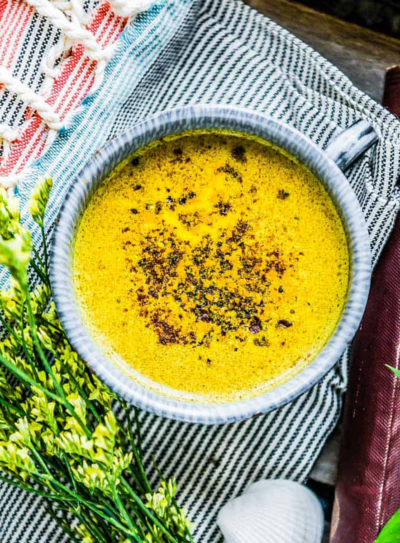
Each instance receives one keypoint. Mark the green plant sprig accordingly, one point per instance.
(59, 436)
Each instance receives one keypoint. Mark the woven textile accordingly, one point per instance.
(182, 52)
(52, 54)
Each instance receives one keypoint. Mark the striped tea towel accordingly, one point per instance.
(218, 51)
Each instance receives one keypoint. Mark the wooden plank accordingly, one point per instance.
(363, 55)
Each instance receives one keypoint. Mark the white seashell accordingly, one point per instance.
(273, 511)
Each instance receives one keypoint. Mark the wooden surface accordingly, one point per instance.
(361, 54)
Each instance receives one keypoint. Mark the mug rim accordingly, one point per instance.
(248, 122)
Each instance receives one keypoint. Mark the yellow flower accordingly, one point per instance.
(15, 254)
(39, 198)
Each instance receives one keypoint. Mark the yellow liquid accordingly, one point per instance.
(213, 264)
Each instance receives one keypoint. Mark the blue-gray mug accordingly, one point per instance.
(327, 165)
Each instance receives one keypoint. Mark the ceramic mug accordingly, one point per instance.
(327, 165)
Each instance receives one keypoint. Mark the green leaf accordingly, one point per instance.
(391, 531)
(394, 370)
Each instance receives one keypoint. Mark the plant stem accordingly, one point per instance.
(8, 328)
(26, 352)
(40, 273)
(25, 377)
(80, 389)
(92, 528)
(58, 387)
(9, 405)
(125, 514)
(147, 487)
(22, 376)
(147, 512)
(62, 525)
(40, 460)
(188, 534)
(19, 340)
(66, 462)
(138, 429)
(37, 256)
(46, 255)
(93, 507)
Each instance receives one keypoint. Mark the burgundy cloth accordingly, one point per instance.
(368, 486)
(391, 95)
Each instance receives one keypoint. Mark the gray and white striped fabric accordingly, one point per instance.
(222, 51)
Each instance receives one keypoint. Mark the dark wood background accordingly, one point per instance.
(362, 54)
(381, 15)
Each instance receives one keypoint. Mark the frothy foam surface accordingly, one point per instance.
(214, 264)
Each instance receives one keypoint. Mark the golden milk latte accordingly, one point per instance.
(214, 264)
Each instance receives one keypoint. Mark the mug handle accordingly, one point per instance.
(350, 144)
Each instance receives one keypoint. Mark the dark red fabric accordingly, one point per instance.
(368, 486)
(391, 95)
